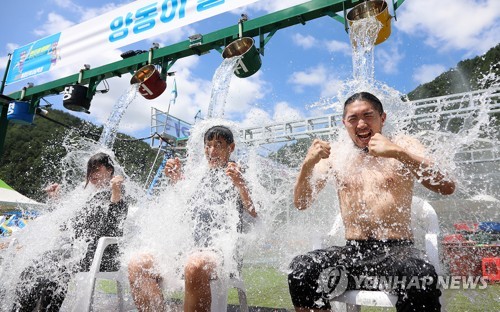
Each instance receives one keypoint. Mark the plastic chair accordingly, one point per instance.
(424, 220)
(86, 282)
(219, 290)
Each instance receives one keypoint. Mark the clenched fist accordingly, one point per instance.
(318, 150)
(173, 169)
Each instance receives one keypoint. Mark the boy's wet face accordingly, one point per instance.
(100, 176)
(217, 152)
(362, 121)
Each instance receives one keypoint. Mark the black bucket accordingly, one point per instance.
(75, 98)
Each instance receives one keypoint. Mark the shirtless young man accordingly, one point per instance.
(375, 186)
(202, 263)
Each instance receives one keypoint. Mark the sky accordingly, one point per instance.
(302, 64)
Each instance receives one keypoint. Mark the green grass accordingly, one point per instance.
(267, 287)
(473, 300)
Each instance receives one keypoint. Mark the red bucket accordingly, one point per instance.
(151, 85)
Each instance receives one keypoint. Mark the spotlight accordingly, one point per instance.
(131, 53)
(86, 66)
(30, 85)
(195, 40)
(155, 45)
(41, 111)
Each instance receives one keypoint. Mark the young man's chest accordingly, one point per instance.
(371, 174)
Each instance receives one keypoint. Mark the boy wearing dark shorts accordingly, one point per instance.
(374, 177)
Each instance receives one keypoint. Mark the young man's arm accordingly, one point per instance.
(421, 167)
(304, 189)
(234, 172)
(116, 188)
(247, 201)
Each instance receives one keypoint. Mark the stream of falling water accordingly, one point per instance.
(363, 34)
(220, 87)
(108, 135)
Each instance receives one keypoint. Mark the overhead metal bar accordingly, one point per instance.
(197, 45)
(269, 23)
(396, 4)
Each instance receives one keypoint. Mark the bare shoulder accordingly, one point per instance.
(410, 143)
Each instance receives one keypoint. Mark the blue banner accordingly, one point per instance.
(177, 128)
(34, 58)
(125, 25)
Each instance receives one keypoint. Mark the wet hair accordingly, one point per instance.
(365, 96)
(96, 161)
(219, 132)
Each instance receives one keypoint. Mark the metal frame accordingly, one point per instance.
(159, 121)
(328, 125)
(165, 57)
(197, 45)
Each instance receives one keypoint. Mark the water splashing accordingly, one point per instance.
(174, 209)
(162, 224)
(363, 34)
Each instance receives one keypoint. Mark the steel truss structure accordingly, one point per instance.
(444, 114)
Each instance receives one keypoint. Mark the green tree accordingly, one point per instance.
(477, 73)
(292, 154)
(32, 154)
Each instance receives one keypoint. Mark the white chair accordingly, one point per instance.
(219, 289)
(424, 221)
(86, 282)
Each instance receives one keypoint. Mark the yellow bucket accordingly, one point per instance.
(378, 9)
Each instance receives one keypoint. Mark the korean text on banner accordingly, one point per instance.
(131, 23)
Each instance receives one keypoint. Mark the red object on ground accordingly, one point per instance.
(453, 238)
(465, 258)
(491, 269)
(464, 227)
